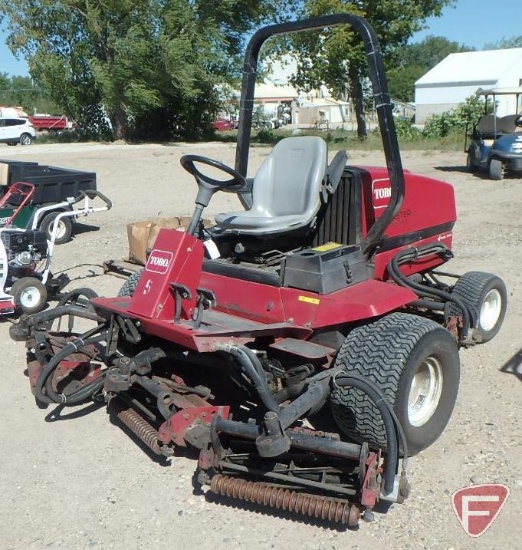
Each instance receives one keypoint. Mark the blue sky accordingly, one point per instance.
(476, 22)
(470, 22)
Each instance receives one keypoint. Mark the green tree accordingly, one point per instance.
(339, 57)
(20, 91)
(150, 67)
(504, 43)
(401, 81)
(409, 62)
(456, 120)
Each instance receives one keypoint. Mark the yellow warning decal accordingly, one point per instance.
(309, 300)
(327, 246)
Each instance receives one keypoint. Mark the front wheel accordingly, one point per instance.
(30, 295)
(63, 231)
(415, 363)
(26, 139)
(129, 286)
(496, 169)
(486, 295)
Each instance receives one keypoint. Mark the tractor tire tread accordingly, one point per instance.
(470, 287)
(377, 351)
(129, 286)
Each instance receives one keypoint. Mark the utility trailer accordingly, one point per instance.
(54, 188)
(50, 123)
(302, 347)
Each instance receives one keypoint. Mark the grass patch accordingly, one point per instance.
(69, 136)
(344, 139)
(336, 139)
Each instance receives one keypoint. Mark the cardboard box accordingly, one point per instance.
(142, 235)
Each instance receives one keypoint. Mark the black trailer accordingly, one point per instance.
(52, 186)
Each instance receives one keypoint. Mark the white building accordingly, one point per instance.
(460, 75)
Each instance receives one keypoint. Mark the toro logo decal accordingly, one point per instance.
(381, 193)
(477, 506)
(159, 261)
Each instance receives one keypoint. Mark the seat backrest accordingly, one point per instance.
(508, 126)
(289, 180)
(488, 125)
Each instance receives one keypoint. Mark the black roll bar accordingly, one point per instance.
(380, 93)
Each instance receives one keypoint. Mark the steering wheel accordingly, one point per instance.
(236, 183)
(207, 185)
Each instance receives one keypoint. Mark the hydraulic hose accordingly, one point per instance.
(60, 311)
(43, 388)
(412, 254)
(428, 304)
(391, 423)
(251, 366)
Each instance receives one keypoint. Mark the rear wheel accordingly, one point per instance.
(486, 296)
(415, 363)
(30, 295)
(496, 169)
(63, 231)
(471, 161)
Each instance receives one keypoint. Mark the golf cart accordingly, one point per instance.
(496, 142)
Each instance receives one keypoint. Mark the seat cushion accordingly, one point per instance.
(250, 221)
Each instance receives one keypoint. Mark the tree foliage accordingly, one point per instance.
(145, 68)
(20, 91)
(409, 62)
(504, 43)
(456, 120)
(338, 60)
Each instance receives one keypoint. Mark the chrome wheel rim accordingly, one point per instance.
(29, 297)
(425, 392)
(490, 310)
(60, 230)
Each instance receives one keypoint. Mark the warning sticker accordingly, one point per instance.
(309, 300)
(326, 247)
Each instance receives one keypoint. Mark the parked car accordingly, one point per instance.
(222, 124)
(16, 130)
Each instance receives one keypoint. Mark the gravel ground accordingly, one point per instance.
(71, 479)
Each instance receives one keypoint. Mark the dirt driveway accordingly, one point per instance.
(73, 480)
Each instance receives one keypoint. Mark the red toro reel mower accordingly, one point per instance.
(303, 347)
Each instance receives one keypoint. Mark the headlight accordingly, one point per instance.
(24, 258)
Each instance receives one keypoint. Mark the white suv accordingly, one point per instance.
(16, 130)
